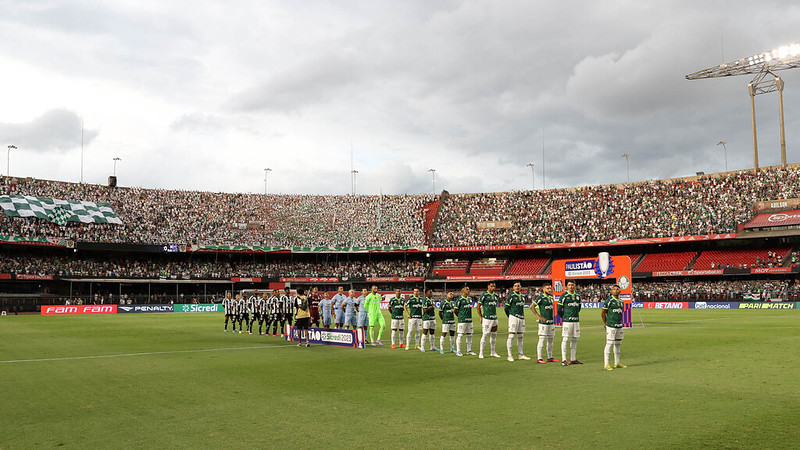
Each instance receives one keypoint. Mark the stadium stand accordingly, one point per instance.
(528, 266)
(450, 267)
(742, 259)
(655, 262)
(488, 266)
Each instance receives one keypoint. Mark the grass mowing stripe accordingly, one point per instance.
(166, 352)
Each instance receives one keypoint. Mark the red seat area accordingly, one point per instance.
(655, 262)
(528, 266)
(447, 267)
(712, 259)
(488, 266)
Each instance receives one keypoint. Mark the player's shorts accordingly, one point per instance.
(465, 328)
(488, 324)
(547, 330)
(326, 320)
(415, 324)
(429, 324)
(571, 329)
(257, 316)
(228, 315)
(350, 320)
(302, 323)
(613, 334)
(398, 324)
(448, 327)
(516, 325)
(339, 318)
(363, 321)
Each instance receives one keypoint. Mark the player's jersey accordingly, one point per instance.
(545, 303)
(613, 307)
(446, 307)
(261, 306)
(285, 304)
(428, 303)
(313, 304)
(373, 303)
(488, 305)
(569, 307)
(338, 303)
(362, 307)
(349, 306)
(325, 307)
(273, 305)
(226, 305)
(396, 307)
(250, 304)
(414, 306)
(464, 307)
(515, 305)
(241, 307)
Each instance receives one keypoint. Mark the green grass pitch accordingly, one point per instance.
(696, 378)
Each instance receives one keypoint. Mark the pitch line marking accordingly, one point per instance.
(125, 355)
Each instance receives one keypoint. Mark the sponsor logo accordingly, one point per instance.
(195, 308)
(767, 305)
(782, 217)
(666, 305)
(704, 305)
(25, 276)
(78, 309)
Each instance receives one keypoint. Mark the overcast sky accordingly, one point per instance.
(205, 95)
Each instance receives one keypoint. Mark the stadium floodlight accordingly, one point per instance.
(533, 180)
(433, 179)
(761, 65)
(266, 171)
(116, 158)
(627, 164)
(723, 144)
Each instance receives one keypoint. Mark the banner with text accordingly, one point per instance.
(327, 336)
(57, 310)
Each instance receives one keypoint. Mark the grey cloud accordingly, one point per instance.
(56, 129)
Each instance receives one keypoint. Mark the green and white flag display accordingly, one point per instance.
(58, 211)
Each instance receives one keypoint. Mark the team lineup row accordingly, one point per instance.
(455, 314)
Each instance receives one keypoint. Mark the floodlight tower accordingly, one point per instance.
(763, 65)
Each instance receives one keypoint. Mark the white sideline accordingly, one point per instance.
(124, 355)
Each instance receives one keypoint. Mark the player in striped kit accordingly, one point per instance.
(250, 305)
(227, 305)
(261, 311)
(286, 310)
(239, 311)
(273, 311)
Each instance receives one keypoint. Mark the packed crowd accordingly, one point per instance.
(660, 208)
(157, 216)
(202, 269)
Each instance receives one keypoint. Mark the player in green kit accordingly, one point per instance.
(569, 308)
(396, 309)
(543, 308)
(515, 310)
(428, 320)
(448, 322)
(487, 309)
(612, 317)
(373, 307)
(463, 311)
(414, 311)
